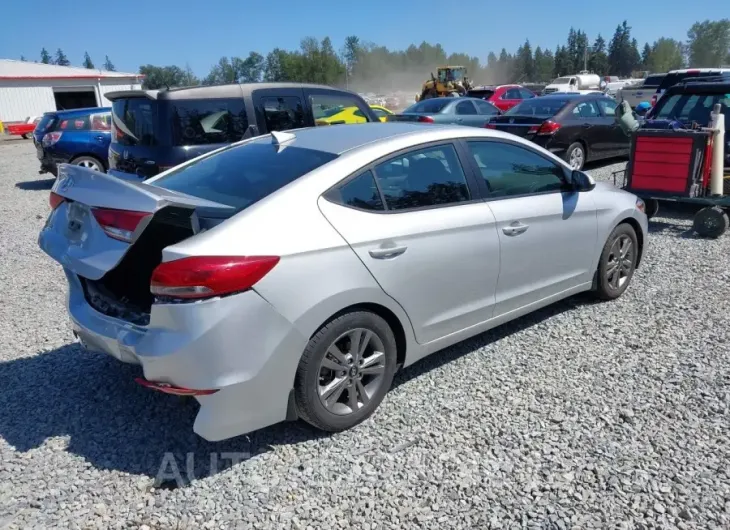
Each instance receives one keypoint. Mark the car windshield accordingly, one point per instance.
(134, 122)
(428, 106)
(562, 81)
(542, 107)
(239, 176)
(690, 108)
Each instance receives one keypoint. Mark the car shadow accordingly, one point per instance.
(36, 185)
(670, 211)
(111, 422)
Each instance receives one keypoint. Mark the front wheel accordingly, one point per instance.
(575, 156)
(345, 371)
(618, 262)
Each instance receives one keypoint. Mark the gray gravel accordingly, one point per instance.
(584, 415)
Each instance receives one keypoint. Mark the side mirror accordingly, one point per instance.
(582, 181)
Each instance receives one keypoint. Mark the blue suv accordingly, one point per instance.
(79, 136)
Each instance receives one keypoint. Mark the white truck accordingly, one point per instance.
(580, 83)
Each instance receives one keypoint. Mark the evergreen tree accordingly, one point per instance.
(88, 63)
(46, 57)
(108, 65)
(61, 59)
(598, 61)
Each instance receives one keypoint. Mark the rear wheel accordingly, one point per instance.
(710, 221)
(89, 162)
(345, 371)
(575, 156)
(618, 262)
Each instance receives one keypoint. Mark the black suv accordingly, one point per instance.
(692, 102)
(153, 130)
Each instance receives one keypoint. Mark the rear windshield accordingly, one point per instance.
(241, 175)
(654, 80)
(544, 107)
(207, 121)
(690, 108)
(134, 122)
(46, 123)
(562, 81)
(429, 106)
(480, 94)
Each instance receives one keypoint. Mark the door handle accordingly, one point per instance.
(386, 253)
(100, 138)
(515, 229)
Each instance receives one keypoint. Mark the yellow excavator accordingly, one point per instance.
(450, 81)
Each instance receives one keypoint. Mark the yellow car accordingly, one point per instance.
(349, 115)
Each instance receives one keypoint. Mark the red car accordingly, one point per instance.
(504, 97)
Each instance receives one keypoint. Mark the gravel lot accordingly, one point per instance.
(583, 415)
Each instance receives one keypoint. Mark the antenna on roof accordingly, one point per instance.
(280, 139)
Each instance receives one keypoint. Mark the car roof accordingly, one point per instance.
(74, 112)
(215, 91)
(338, 139)
(690, 87)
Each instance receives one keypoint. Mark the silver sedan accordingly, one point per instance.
(290, 275)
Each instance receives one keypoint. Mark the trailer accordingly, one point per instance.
(681, 165)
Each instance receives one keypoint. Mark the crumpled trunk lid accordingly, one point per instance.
(73, 237)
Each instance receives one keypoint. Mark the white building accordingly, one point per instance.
(30, 89)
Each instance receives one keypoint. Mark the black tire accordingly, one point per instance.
(307, 381)
(24, 136)
(711, 221)
(84, 160)
(652, 207)
(608, 287)
(569, 152)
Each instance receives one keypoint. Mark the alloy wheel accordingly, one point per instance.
(351, 371)
(576, 158)
(620, 262)
(90, 164)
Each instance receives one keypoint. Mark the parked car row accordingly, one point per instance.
(656, 84)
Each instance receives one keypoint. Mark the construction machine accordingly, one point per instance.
(450, 81)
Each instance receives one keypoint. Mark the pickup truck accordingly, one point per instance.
(24, 129)
(634, 95)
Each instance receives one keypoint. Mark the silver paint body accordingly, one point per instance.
(466, 269)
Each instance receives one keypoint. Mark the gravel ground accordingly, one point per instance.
(583, 415)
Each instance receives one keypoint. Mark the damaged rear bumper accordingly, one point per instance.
(238, 345)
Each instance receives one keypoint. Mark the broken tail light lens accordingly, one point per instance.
(208, 276)
(119, 224)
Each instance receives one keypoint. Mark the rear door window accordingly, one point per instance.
(486, 108)
(283, 112)
(586, 109)
(608, 107)
(428, 177)
(241, 175)
(360, 192)
(207, 121)
(512, 93)
(333, 108)
(134, 122)
(466, 108)
(101, 121)
(690, 107)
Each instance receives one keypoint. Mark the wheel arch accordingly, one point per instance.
(639, 236)
(401, 342)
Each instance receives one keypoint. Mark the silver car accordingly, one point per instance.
(290, 275)
(474, 112)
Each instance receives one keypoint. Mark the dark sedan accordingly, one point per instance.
(458, 111)
(578, 128)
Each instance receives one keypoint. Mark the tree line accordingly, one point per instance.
(61, 59)
(368, 66)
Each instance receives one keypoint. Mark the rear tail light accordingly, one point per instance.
(548, 127)
(207, 276)
(490, 125)
(55, 200)
(425, 119)
(51, 138)
(119, 224)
